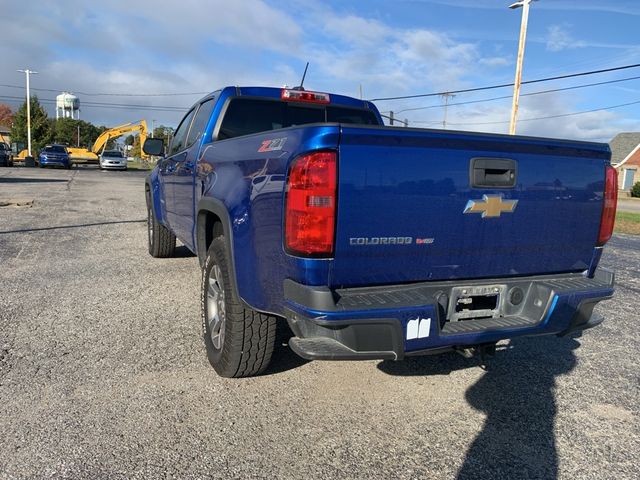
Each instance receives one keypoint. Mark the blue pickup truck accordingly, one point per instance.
(375, 242)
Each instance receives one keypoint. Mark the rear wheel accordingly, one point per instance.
(239, 341)
(162, 242)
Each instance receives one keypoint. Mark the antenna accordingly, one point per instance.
(300, 87)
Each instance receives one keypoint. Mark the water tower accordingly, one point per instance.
(67, 106)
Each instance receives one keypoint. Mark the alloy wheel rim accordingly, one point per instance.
(216, 307)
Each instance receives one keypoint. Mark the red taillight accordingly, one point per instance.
(610, 202)
(310, 211)
(304, 96)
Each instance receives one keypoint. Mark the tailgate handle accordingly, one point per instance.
(493, 173)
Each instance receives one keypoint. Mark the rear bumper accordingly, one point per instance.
(391, 322)
(109, 166)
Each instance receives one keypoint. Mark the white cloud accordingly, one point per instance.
(355, 30)
(559, 38)
(496, 61)
(494, 118)
(201, 46)
(623, 7)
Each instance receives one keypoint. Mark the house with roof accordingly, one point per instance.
(625, 157)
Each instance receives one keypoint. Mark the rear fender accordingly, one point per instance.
(215, 206)
(155, 191)
(206, 233)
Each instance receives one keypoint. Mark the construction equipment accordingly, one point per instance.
(83, 155)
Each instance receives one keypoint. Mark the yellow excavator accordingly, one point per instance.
(82, 155)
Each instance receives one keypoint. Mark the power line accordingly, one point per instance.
(110, 94)
(105, 105)
(492, 87)
(539, 118)
(575, 87)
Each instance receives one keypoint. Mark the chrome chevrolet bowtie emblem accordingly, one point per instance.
(491, 206)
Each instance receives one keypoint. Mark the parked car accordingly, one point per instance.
(113, 160)
(6, 156)
(54, 155)
(376, 242)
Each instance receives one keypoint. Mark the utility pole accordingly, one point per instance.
(391, 118)
(78, 143)
(523, 38)
(446, 97)
(27, 74)
(153, 126)
(166, 147)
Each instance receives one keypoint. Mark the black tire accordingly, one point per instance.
(162, 242)
(245, 338)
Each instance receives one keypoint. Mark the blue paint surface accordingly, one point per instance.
(392, 182)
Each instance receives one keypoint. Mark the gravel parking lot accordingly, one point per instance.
(103, 372)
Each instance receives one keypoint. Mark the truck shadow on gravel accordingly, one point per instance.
(32, 180)
(517, 396)
(182, 252)
(283, 358)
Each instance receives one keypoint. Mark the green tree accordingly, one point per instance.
(165, 133)
(635, 190)
(66, 132)
(41, 128)
(136, 151)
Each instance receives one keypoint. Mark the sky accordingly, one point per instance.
(117, 56)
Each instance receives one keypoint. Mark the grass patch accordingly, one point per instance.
(627, 222)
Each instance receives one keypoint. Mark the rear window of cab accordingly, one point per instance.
(246, 116)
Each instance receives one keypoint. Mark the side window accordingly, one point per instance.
(179, 139)
(244, 117)
(201, 121)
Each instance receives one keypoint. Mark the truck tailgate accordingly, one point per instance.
(403, 194)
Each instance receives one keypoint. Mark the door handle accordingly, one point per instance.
(493, 173)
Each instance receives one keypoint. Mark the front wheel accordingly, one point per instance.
(162, 242)
(239, 341)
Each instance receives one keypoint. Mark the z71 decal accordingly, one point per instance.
(272, 145)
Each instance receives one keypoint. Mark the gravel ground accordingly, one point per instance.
(103, 372)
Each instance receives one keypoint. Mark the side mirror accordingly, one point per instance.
(153, 146)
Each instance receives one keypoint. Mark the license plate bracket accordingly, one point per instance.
(476, 302)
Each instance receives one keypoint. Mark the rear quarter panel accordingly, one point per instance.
(251, 186)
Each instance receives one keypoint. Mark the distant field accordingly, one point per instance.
(627, 222)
